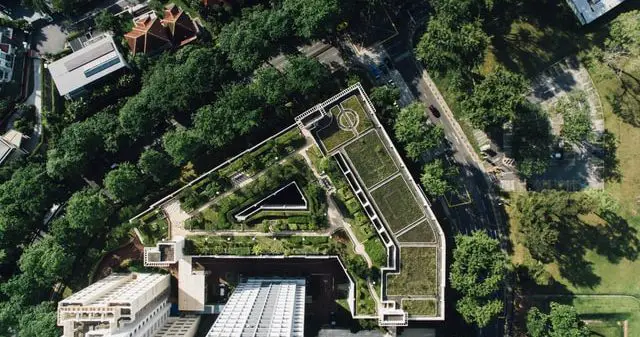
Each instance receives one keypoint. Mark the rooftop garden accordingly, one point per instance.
(420, 307)
(397, 203)
(418, 273)
(422, 232)
(371, 159)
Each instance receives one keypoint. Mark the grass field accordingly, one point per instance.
(420, 233)
(376, 251)
(353, 103)
(371, 159)
(420, 307)
(605, 329)
(397, 203)
(418, 272)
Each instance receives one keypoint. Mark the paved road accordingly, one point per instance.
(35, 99)
(479, 213)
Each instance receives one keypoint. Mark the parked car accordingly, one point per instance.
(434, 111)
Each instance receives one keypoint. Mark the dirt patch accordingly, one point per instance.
(112, 260)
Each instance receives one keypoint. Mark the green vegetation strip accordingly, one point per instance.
(418, 273)
(397, 203)
(420, 307)
(353, 103)
(422, 232)
(371, 159)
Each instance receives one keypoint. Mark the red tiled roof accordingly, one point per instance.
(182, 29)
(147, 36)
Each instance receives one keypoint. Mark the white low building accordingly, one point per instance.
(589, 10)
(73, 73)
(123, 305)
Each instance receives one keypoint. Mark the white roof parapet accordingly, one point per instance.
(191, 286)
(263, 307)
(73, 72)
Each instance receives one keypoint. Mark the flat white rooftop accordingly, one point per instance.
(589, 10)
(263, 308)
(98, 59)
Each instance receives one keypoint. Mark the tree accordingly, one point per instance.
(236, 112)
(532, 140)
(384, 99)
(542, 216)
(448, 45)
(624, 33)
(562, 321)
(108, 22)
(312, 18)
(156, 164)
(494, 101)
(575, 112)
(271, 86)
(477, 272)
(252, 38)
(414, 130)
(304, 76)
(24, 201)
(46, 262)
(182, 145)
(82, 142)
(86, 215)
(436, 179)
(39, 321)
(125, 182)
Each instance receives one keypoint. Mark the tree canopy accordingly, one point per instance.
(125, 182)
(39, 321)
(436, 179)
(157, 165)
(414, 130)
(312, 18)
(236, 112)
(255, 36)
(542, 217)
(81, 142)
(494, 101)
(575, 112)
(477, 272)
(561, 321)
(182, 145)
(87, 213)
(533, 140)
(384, 99)
(24, 201)
(46, 261)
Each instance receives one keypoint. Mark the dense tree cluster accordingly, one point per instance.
(495, 100)
(562, 320)
(477, 273)
(544, 216)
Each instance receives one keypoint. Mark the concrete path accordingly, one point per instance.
(35, 99)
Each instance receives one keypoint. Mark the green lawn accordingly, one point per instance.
(606, 329)
(397, 203)
(418, 272)
(353, 103)
(371, 159)
(376, 251)
(420, 233)
(420, 307)
(332, 136)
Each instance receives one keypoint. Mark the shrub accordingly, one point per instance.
(189, 199)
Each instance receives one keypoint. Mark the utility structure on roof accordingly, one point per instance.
(261, 308)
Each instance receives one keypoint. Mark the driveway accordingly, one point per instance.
(35, 99)
(50, 39)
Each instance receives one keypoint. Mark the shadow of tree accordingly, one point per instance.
(616, 239)
(610, 170)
